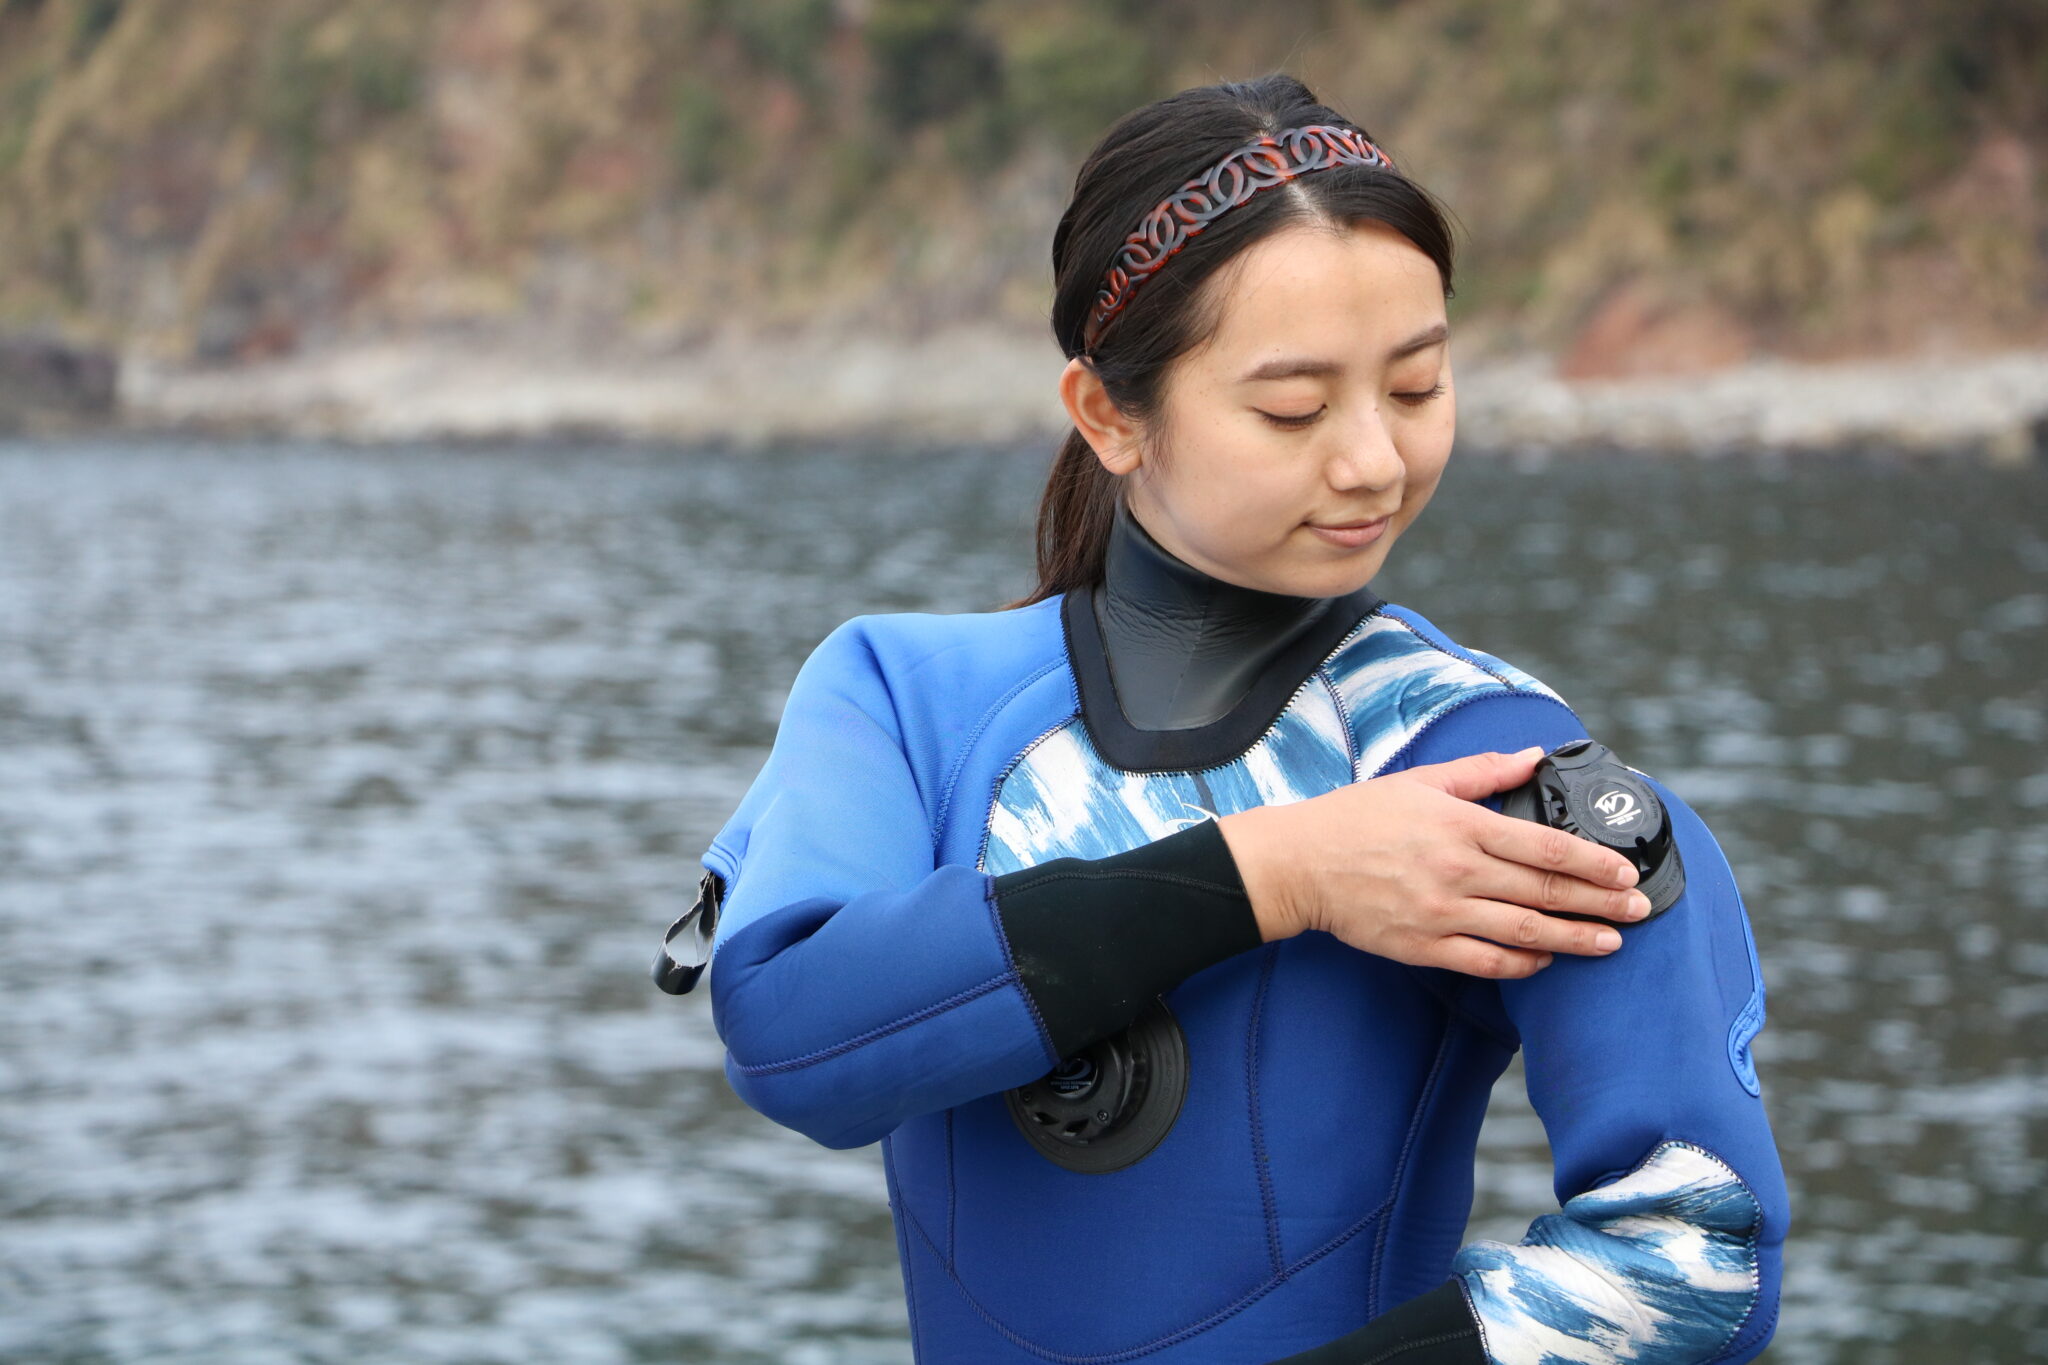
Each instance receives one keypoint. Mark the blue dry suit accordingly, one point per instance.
(1316, 1182)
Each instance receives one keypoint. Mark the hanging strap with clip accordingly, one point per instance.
(686, 947)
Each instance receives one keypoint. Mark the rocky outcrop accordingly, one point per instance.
(47, 384)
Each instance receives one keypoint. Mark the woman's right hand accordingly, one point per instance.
(1411, 867)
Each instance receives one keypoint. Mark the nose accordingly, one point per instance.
(1366, 456)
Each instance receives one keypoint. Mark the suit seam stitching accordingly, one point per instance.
(995, 919)
(1401, 1169)
(952, 1195)
(1459, 654)
(1752, 1233)
(1180, 1334)
(902, 1208)
(1261, 1165)
(953, 1001)
(959, 765)
(1484, 694)
(995, 793)
(1478, 1322)
(1351, 751)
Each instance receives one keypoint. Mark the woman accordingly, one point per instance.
(1162, 925)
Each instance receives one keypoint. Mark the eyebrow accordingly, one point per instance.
(1292, 367)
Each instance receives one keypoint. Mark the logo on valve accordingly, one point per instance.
(1618, 809)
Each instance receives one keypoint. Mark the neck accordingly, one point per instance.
(1185, 647)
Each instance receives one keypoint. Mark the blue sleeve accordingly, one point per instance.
(1667, 1248)
(855, 981)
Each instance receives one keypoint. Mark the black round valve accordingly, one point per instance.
(1582, 788)
(1109, 1104)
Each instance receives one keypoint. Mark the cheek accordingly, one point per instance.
(1418, 498)
(1246, 483)
(1424, 457)
(1244, 520)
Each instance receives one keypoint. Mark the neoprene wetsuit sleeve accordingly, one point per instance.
(855, 981)
(1667, 1246)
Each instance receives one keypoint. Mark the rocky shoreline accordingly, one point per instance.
(987, 383)
(46, 383)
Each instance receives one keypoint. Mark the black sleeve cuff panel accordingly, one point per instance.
(1094, 939)
(1435, 1329)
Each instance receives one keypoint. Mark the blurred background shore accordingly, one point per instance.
(1788, 225)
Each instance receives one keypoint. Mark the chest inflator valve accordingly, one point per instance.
(1582, 788)
(1112, 1102)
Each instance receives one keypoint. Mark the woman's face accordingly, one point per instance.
(1323, 399)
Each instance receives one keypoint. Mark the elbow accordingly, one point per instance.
(805, 1093)
(803, 1100)
(1678, 1258)
(820, 1047)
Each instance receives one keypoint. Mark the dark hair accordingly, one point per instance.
(1145, 156)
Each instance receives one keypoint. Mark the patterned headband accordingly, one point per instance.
(1256, 166)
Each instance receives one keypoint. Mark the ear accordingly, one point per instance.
(1113, 438)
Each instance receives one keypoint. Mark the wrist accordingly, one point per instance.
(1093, 940)
(1256, 847)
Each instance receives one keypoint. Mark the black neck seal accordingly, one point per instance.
(1178, 668)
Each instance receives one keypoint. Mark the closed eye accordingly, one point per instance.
(1414, 400)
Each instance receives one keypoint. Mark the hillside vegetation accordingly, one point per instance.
(1641, 185)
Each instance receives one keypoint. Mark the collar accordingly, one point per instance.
(1177, 668)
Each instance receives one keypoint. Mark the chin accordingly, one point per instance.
(1341, 576)
(1348, 570)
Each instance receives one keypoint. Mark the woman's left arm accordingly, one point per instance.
(1674, 1205)
(1667, 1248)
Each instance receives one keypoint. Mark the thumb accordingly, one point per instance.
(1478, 775)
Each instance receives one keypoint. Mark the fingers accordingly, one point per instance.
(1535, 931)
(1477, 957)
(1478, 775)
(1552, 850)
(1557, 893)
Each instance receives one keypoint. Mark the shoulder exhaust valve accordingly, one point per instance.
(1582, 788)
(686, 947)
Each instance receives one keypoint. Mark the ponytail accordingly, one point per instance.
(1074, 520)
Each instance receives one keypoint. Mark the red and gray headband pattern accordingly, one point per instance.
(1259, 165)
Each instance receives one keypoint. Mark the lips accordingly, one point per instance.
(1349, 525)
(1356, 536)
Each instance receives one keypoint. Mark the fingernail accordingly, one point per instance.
(1607, 940)
(1542, 962)
(1638, 905)
(1626, 876)
(1532, 749)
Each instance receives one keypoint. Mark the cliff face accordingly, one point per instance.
(1644, 187)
